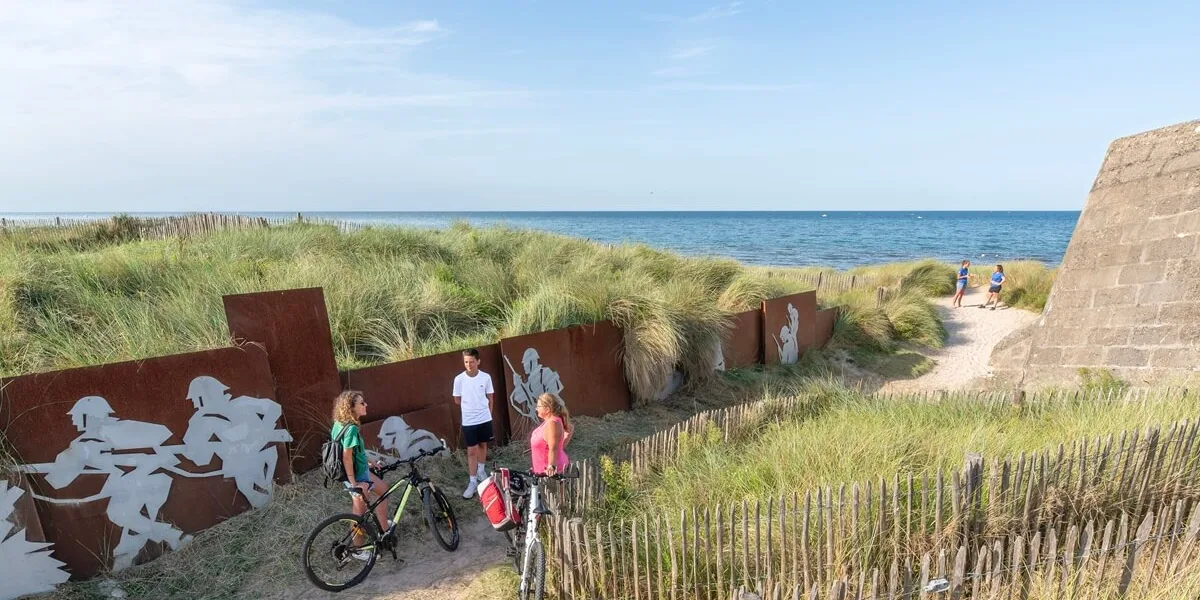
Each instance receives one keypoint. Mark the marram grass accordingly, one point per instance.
(71, 299)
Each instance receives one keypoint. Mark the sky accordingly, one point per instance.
(320, 105)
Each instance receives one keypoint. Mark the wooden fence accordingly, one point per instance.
(58, 229)
(878, 533)
(734, 423)
(1116, 558)
(1157, 559)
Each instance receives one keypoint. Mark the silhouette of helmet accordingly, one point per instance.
(530, 357)
(205, 388)
(393, 431)
(89, 406)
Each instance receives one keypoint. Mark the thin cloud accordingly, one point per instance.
(728, 87)
(709, 14)
(111, 64)
(691, 52)
(717, 12)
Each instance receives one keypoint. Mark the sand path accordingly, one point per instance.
(974, 332)
(425, 571)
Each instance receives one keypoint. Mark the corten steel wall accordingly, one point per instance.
(398, 388)
(825, 320)
(1127, 296)
(585, 358)
(293, 327)
(434, 419)
(775, 317)
(744, 348)
(25, 513)
(33, 414)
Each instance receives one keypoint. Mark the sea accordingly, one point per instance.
(839, 239)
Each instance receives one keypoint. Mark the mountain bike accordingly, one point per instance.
(525, 548)
(354, 560)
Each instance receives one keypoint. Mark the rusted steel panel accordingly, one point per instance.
(744, 346)
(403, 435)
(293, 327)
(789, 327)
(30, 566)
(825, 320)
(581, 364)
(129, 458)
(398, 388)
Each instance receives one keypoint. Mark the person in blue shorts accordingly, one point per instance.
(963, 275)
(994, 291)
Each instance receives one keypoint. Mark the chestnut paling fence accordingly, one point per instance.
(1104, 517)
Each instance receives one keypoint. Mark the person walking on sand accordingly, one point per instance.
(473, 393)
(547, 443)
(998, 280)
(964, 273)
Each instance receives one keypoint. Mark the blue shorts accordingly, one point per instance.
(962, 283)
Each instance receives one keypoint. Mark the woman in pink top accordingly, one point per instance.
(548, 442)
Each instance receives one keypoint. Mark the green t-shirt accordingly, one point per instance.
(353, 439)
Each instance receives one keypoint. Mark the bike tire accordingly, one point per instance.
(516, 541)
(537, 573)
(437, 505)
(344, 519)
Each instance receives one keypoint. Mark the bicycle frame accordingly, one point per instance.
(532, 519)
(410, 482)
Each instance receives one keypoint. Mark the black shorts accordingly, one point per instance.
(477, 434)
(995, 289)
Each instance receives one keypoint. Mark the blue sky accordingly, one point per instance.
(114, 105)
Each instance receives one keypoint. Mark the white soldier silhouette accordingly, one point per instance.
(240, 431)
(538, 380)
(789, 351)
(402, 441)
(135, 495)
(719, 358)
(25, 567)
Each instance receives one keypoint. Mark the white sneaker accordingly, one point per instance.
(481, 474)
(362, 555)
(471, 485)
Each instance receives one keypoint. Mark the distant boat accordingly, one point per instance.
(824, 215)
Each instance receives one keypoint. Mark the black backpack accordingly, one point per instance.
(331, 458)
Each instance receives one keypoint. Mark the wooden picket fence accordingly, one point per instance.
(151, 228)
(1156, 560)
(663, 448)
(1122, 557)
(865, 535)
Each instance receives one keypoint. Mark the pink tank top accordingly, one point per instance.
(538, 449)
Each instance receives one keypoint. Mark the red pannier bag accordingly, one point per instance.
(495, 494)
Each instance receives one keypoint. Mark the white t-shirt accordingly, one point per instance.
(474, 391)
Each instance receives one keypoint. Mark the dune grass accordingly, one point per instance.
(73, 298)
(1027, 285)
(839, 435)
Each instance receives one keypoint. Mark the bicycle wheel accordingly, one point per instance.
(516, 544)
(533, 583)
(335, 562)
(439, 516)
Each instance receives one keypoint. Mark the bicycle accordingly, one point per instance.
(343, 549)
(525, 548)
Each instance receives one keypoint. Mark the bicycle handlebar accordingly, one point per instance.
(574, 474)
(381, 471)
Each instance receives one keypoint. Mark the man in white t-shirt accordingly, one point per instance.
(473, 393)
